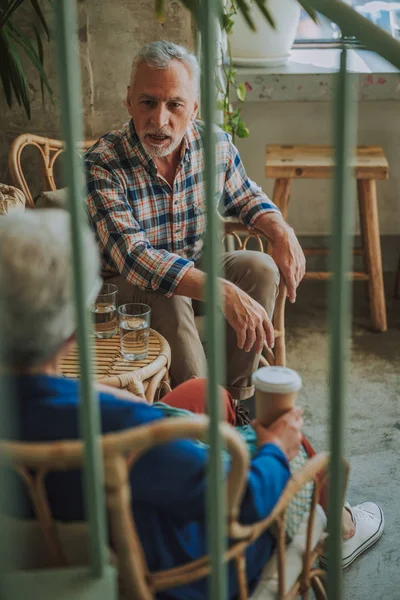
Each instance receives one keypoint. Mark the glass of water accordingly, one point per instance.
(134, 329)
(105, 311)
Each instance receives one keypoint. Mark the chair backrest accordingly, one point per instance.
(33, 461)
(49, 150)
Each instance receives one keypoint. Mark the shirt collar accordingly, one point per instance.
(145, 158)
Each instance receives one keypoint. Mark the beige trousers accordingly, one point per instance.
(255, 273)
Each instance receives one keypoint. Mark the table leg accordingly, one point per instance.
(372, 247)
(281, 195)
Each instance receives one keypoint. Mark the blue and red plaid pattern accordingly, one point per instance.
(152, 234)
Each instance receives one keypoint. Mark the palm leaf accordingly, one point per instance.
(41, 58)
(8, 11)
(267, 15)
(17, 75)
(309, 10)
(40, 15)
(5, 71)
(31, 53)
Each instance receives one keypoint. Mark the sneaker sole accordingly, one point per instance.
(363, 548)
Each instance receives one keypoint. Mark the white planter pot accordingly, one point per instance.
(266, 47)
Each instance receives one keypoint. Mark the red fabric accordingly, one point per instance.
(191, 395)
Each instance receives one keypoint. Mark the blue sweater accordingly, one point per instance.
(168, 484)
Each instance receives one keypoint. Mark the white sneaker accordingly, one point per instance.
(369, 521)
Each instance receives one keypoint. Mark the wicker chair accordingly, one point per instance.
(291, 571)
(51, 149)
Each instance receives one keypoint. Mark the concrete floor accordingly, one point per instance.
(372, 434)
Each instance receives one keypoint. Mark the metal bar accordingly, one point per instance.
(352, 23)
(216, 505)
(340, 307)
(71, 116)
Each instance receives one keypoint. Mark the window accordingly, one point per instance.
(384, 13)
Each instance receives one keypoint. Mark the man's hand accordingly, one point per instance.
(286, 252)
(247, 317)
(285, 432)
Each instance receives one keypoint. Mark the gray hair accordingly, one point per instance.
(36, 291)
(159, 55)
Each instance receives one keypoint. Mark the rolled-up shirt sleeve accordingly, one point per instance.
(123, 239)
(242, 197)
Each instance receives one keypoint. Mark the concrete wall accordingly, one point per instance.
(310, 122)
(110, 34)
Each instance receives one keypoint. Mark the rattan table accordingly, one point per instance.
(142, 377)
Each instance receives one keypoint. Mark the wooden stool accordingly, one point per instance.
(284, 163)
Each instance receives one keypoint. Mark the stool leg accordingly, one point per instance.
(281, 195)
(397, 286)
(372, 247)
(361, 212)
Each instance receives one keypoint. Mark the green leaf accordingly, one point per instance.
(41, 58)
(40, 15)
(309, 10)
(220, 105)
(5, 71)
(244, 8)
(264, 10)
(241, 92)
(242, 131)
(9, 11)
(17, 75)
(31, 53)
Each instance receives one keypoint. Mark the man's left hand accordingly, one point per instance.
(286, 252)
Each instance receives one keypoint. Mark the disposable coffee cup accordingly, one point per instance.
(276, 391)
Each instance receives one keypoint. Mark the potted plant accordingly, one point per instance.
(13, 41)
(271, 43)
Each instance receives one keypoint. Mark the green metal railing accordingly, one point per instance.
(71, 113)
(343, 203)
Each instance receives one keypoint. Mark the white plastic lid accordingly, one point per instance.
(277, 380)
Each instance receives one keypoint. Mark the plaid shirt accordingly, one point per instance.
(152, 234)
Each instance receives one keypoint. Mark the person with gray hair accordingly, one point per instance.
(36, 285)
(168, 489)
(146, 203)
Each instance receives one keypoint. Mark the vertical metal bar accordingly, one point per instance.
(216, 496)
(71, 114)
(340, 307)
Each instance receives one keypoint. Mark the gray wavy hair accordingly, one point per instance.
(36, 291)
(159, 55)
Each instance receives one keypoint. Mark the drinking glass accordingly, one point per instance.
(134, 329)
(105, 311)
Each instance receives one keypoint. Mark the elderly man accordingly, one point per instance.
(146, 205)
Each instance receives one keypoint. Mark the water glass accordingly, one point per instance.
(105, 312)
(134, 329)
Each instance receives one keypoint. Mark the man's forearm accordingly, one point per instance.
(193, 285)
(272, 225)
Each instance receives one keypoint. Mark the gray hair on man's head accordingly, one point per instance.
(36, 291)
(159, 55)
